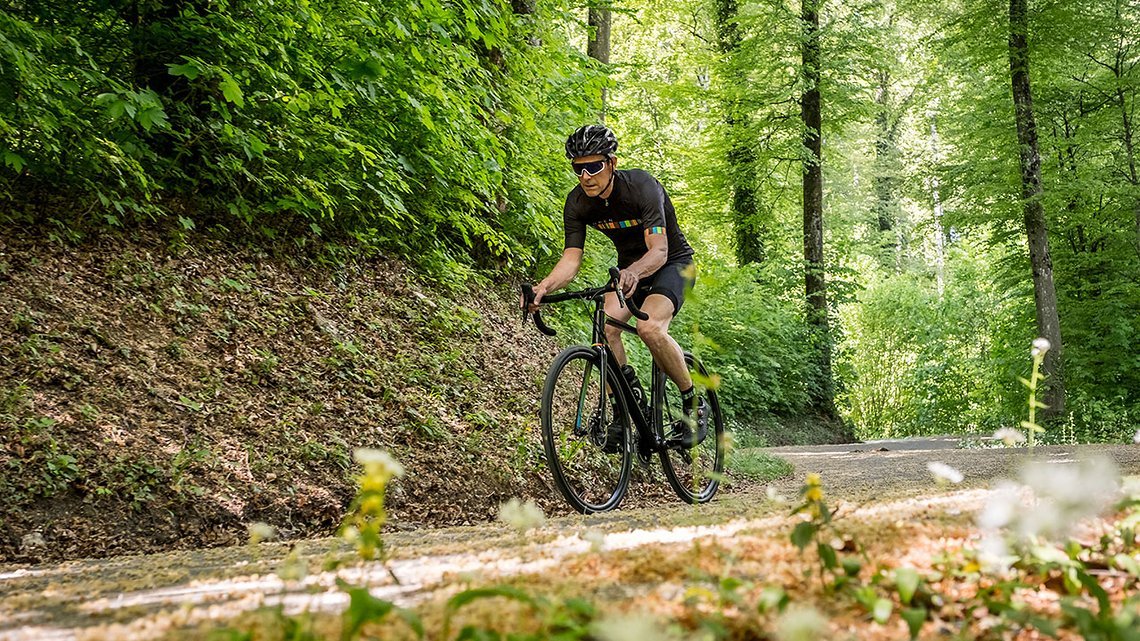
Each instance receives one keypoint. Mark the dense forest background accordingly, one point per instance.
(433, 130)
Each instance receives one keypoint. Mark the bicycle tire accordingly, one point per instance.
(693, 473)
(589, 478)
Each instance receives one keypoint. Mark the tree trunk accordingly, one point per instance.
(815, 288)
(1044, 291)
(741, 155)
(884, 178)
(1121, 69)
(936, 198)
(600, 19)
(1130, 154)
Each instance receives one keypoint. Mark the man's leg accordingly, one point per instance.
(655, 333)
(613, 334)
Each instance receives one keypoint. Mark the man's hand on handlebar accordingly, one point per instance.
(627, 281)
(539, 292)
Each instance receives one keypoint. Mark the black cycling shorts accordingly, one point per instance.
(670, 281)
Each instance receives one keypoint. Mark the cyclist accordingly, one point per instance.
(656, 262)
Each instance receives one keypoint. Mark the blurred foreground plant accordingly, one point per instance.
(366, 517)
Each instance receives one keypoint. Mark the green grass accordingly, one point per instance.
(758, 465)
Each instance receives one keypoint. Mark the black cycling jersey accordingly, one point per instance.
(637, 203)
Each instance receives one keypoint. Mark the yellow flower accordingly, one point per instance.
(814, 479)
(814, 493)
(373, 504)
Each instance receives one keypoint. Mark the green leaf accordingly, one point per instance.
(914, 618)
(1127, 563)
(881, 611)
(412, 620)
(772, 599)
(851, 566)
(906, 580)
(152, 117)
(472, 633)
(827, 555)
(363, 608)
(190, 70)
(14, 160)
(803, 534)
(230, 90)
(467, 596)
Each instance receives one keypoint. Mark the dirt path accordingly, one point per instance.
(144, 597)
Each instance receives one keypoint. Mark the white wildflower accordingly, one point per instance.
(259, 532)
(1001, 508)
(521, 516)
(943, 473)
(1009, 436)
(1061, 496)
(595, 538)
(993, 554)
(1068, 493)
(801, 624)
(1136, 437)
(774, 495)
(638, 627)
(375, 460)
(1040, 346)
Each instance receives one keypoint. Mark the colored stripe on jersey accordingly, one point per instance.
(657, 230)
(617, 224)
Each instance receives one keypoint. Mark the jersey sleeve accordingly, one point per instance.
(572, 224)
(652, 206)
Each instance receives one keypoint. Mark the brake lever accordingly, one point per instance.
(615, 274)
(528, 298)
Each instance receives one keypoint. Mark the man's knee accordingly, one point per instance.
(650, 329)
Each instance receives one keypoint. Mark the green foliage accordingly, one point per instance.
(363, 608)
(751, 337)
(426, 127)
(758, 466)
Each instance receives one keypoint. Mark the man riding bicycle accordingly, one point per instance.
(656, 262)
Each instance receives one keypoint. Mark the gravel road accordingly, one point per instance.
(143, 597)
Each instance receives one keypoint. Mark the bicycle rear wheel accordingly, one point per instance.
(694, 473)
(585, 431)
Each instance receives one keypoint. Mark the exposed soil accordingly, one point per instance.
(157, 398)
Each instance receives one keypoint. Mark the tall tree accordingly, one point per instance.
(1044, 290)
(600, 19)
(741, 154)
(812, 119)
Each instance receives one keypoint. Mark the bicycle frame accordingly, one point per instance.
(649, 436)
(649, 430)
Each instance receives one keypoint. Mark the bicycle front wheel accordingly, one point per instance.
(585, 431)
(694, 473)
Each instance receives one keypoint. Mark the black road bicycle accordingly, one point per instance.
(588, 407)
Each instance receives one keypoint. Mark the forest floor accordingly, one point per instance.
(670, 570)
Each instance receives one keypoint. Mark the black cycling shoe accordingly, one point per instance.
(683, 436)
